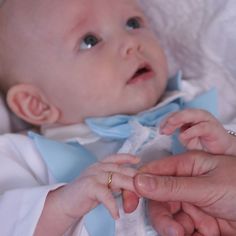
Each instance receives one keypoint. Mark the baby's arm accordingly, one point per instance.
(200, 130)
(68, 204)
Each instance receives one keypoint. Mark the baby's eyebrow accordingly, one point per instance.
(78, 25)
(75, 31)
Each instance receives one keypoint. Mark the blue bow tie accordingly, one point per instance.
(119, 126)
(66, 161)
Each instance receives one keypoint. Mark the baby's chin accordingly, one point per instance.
(140, 107)
(146, 105)
(132, 108)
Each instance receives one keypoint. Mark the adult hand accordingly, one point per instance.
(192, 190)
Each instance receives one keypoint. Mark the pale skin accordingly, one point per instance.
(75, 59)
(69, 203)
(51, 58)
(200, 130)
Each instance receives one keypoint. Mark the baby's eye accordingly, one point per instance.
(89, 41)
(134, 23)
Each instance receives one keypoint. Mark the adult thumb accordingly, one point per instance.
(169, 188)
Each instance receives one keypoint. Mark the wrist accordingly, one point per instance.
(54, 220)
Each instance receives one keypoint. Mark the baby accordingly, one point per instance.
(62, 62)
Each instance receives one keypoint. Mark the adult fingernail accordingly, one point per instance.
(146, 182)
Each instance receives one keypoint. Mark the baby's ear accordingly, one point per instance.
(29, 103)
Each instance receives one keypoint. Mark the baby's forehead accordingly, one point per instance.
(43, 7)
(56, 11)
(50, 19)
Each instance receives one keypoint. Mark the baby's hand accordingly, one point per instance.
(199, 130)
(93, 187)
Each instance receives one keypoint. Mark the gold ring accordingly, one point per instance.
(109, 180)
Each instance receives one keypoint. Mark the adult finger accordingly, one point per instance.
(204, 223)
(168, 188)
(169, 217)
(162, 219)
(227, 227)
(186, 164)
(172, 187)
(186, 221)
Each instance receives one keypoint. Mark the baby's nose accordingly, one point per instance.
(130, 45)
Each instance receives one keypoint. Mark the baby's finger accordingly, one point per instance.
(165, 120)
(120, 181)
(122, 159)
(97, 168)
(171, 123)
(202, 130)
(115, 181)
(104, 195)
(181, 118)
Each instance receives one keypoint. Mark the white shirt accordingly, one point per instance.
(25, 179)
(25, 182)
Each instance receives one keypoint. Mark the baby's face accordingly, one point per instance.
(89, 57)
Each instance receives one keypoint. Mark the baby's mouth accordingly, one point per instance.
(142, 73)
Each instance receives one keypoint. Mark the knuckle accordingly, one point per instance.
(203, 126)
(204, 113)
(119, 169)
(172, 184)
(211, 231)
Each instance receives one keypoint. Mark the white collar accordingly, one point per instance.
(81, 132)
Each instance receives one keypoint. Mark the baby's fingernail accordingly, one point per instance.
(146, 182)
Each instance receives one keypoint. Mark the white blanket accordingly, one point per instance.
(199, 38)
